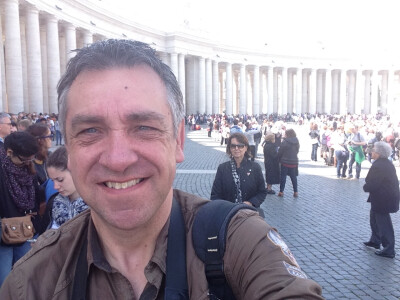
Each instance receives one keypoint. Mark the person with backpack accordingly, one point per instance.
(122, 116)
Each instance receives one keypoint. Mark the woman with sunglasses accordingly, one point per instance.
(239, 180)
(44, 137)
(19, 191)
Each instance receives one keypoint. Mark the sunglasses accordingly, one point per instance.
(7, 124)
(239, 146)
(24, 160)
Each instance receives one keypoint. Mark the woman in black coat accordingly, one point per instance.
(382, 185)
(239, 179)
(287, 155)
(272, 172)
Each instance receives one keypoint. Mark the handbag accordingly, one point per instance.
(16, 230)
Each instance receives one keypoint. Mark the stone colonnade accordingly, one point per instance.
(37, 41)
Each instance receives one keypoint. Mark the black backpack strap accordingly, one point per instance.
(176, 286)
(80, 279)
(209, 237)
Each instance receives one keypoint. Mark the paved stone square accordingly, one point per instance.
(324, 227)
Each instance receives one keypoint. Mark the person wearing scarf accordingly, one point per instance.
(19, 193)
(239, 180)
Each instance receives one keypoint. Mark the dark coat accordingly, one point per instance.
(272, 171)
(288, 151)
(382, 185)
(252, 183)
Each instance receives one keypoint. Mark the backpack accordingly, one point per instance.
(209, 232)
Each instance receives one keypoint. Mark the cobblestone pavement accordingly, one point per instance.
(324, 227)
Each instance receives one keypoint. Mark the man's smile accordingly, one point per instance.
(122, 185)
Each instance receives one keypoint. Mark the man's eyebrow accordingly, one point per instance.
(147, 116)
(132, 117)
(85, 119)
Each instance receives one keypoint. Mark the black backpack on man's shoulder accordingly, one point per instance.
(209, 240)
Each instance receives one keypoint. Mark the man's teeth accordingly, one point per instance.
(122, 185)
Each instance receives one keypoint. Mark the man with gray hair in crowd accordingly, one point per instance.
(382, 184)
(122, 116)
(5, 126)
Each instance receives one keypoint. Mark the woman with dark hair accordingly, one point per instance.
(67, 203)
(44, 137)
(287, 156)
(382, 185)
(272, 173)
(239, 180)
(19, 192)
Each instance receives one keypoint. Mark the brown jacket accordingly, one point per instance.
(257, 264)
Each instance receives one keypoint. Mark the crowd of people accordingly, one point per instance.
(33, 183)
(340, 141)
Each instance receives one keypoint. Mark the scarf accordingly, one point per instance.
(19, 183)
(236, 179)
(64, 210)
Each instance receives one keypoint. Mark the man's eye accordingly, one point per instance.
(146, 128)
(89, 130)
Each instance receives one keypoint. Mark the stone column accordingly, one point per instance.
(13, 56)
(215, 87)
(24, 64)
(165, 58)
(319, 91)
(256, 91)
(70, 40)
(53, 62)
(328, 92)
(182, 76)
(34, 60)
(202, 85)
(229, 91)
(3, 94)
(87, 37)
(313, 93)
(374, 92)
(284, 99)
(343, 100)
(359, 103)
(384, 92)
(208, 86)
(299, 92)
(43, 50)
(174, 64)
(191, 103)
(270, 90)
(351, 92)
(367, 92)
(390, 93)
(243, 90)
(305, 89)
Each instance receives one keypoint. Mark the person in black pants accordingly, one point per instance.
(382, 185)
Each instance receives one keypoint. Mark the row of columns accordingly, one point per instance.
(37, 47)
(255, 90)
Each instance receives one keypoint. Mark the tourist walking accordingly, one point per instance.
(272, 172)
(382, 185)
(287, 156)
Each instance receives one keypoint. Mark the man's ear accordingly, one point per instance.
(180, 142)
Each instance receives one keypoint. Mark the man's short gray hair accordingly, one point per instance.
(4, 115)
(114, 53)
(383, 149)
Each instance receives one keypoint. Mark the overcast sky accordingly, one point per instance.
(333, 28)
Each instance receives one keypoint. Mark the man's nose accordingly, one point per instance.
(119, 152)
